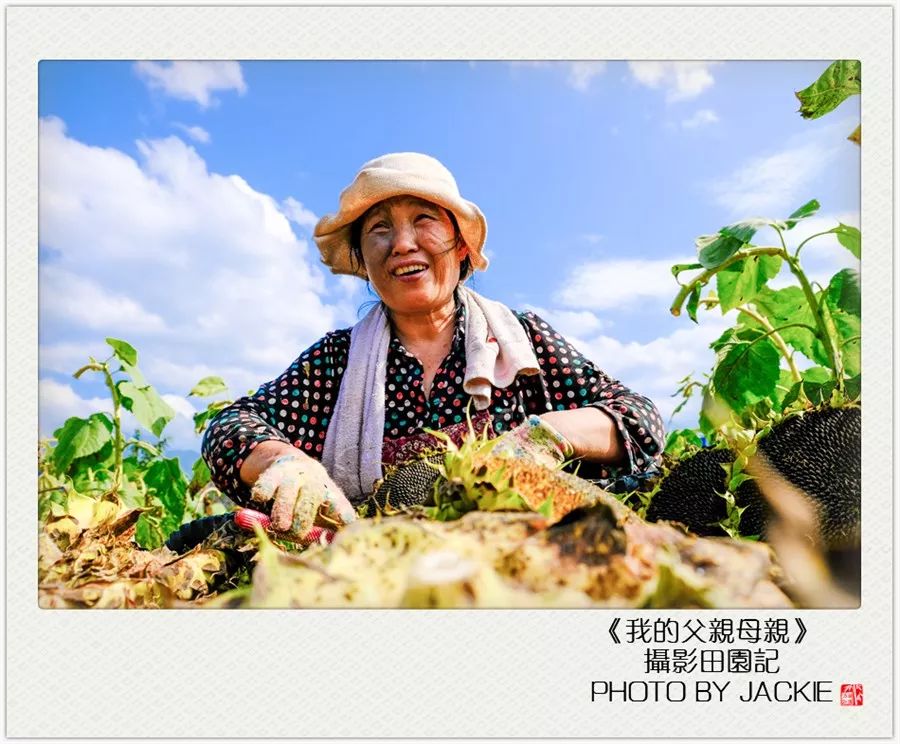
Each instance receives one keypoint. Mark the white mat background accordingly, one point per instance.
(415, 673)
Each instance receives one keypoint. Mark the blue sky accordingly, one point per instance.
(177, 202)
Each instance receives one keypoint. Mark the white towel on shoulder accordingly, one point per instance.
(497, 350)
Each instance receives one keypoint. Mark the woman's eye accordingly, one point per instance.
(378, 226)
(425, 217)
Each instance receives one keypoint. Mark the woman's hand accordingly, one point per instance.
(536, 440)
(302, 495)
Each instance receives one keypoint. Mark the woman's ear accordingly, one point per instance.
(462, 250)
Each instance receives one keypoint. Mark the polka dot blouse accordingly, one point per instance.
(296, 406)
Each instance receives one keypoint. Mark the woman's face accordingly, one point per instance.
(409, 249)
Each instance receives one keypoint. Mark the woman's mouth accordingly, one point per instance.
(410, 272)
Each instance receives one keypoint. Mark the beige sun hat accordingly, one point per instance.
(397, 174)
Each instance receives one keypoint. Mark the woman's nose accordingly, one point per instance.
(404, 239)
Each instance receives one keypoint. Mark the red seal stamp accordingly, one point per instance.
(851, 694)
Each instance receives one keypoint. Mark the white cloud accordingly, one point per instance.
(58, 402)
(68, 298)
(766, 184)
(680, 80)
(192, 81)
(570, 323)
(198, 270)
(180, 430)
(654, 368)
(648, 73)
(198, 134)
(592, 238)
(64, 358)
(618, 283)
(581, 74)
(299, 214)
(578, 74)
(701, 118)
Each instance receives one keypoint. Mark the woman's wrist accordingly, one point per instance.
(591, 432)
(265, 454)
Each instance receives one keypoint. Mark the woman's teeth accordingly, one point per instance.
(409, 270)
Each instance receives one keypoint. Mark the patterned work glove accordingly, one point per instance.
(302, 495)
(534, 440)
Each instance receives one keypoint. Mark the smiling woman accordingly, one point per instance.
(311, 444)
(409, 240)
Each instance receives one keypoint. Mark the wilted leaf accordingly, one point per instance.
(47, 500)
(856, 135)
(840, 80)
(194, 574)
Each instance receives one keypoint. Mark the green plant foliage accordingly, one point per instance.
(200, 475)
(693, 302)
(202, 418)
(841, 80)
(78, 438)
(787, 310)
(747, 372)
(166, 482)
(849, 237)
(807, 210)
(740, 282)
(91, 467)
(777, 332)
(682, 442)
(843, 299)
(147, 406)
(208, 387)
(843, 293)
(714, 250)
(816, 388)
(125, 352)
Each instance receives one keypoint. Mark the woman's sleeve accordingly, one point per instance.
(569, 380)
(268, 415)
